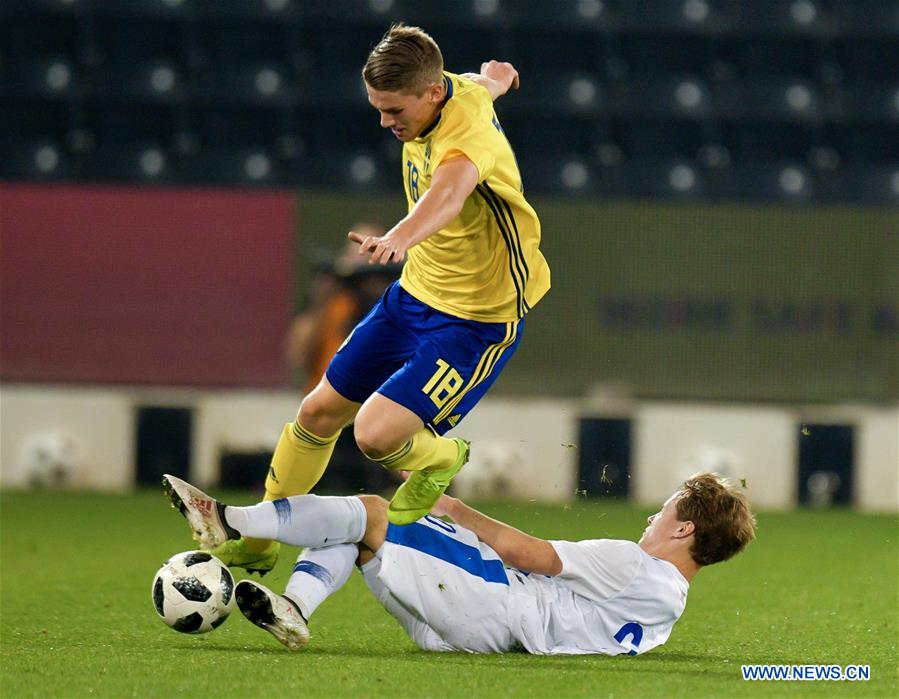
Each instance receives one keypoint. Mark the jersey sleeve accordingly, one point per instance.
(468, 131)
(598, 568)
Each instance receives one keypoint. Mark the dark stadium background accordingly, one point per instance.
(718, 182)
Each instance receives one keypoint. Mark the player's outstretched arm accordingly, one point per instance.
(497, 77)
(516, 548)
(452, 182)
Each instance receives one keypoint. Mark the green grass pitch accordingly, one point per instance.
(76, 618)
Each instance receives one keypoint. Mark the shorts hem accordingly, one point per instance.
(338, 381)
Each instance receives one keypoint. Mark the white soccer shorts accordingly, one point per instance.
(448, 590)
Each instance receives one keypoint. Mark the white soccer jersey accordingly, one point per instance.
(610, 598)
(451, 592)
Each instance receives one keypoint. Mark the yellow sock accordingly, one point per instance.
(297, 465)
(424, 450)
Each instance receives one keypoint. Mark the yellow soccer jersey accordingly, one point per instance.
(486, 264)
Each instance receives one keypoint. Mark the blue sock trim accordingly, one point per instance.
(282, 508)
(316, 571)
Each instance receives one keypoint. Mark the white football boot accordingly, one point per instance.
(205, 514)
(275, 613)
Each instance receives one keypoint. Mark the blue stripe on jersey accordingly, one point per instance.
(430, 541)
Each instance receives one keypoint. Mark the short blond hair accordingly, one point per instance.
(406, 60)
(723, 521)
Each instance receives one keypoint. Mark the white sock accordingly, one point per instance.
(302, 520)
(319, 573)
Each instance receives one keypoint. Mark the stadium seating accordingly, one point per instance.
(784, 100)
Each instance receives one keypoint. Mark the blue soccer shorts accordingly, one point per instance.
(436, 365)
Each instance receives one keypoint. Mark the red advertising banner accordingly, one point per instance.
(144, 286)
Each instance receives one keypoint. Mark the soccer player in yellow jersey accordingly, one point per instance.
(440, 336)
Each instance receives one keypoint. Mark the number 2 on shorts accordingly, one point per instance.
(443, 385)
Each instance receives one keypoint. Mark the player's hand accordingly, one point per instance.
(503, 73)
(383, 249)
(444, 506)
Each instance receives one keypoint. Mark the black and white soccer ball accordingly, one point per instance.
(193, 592)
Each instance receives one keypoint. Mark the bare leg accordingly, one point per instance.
(325, 412)
(383, 426)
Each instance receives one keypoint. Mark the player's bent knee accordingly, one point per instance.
(318, 416)
(374, 504)
(312, 414)
(372, 442)
(376, 521)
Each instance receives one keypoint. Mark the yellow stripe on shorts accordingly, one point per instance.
(482, 371)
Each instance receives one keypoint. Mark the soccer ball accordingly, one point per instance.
(193, 592)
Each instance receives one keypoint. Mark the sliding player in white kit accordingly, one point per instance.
(476, 584)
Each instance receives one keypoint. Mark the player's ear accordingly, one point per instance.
(684, 530)
(435, 92)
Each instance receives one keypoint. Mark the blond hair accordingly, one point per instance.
(406, 60)
(723, 521)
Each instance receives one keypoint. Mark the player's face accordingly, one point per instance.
(663, 523)
(404, 114)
